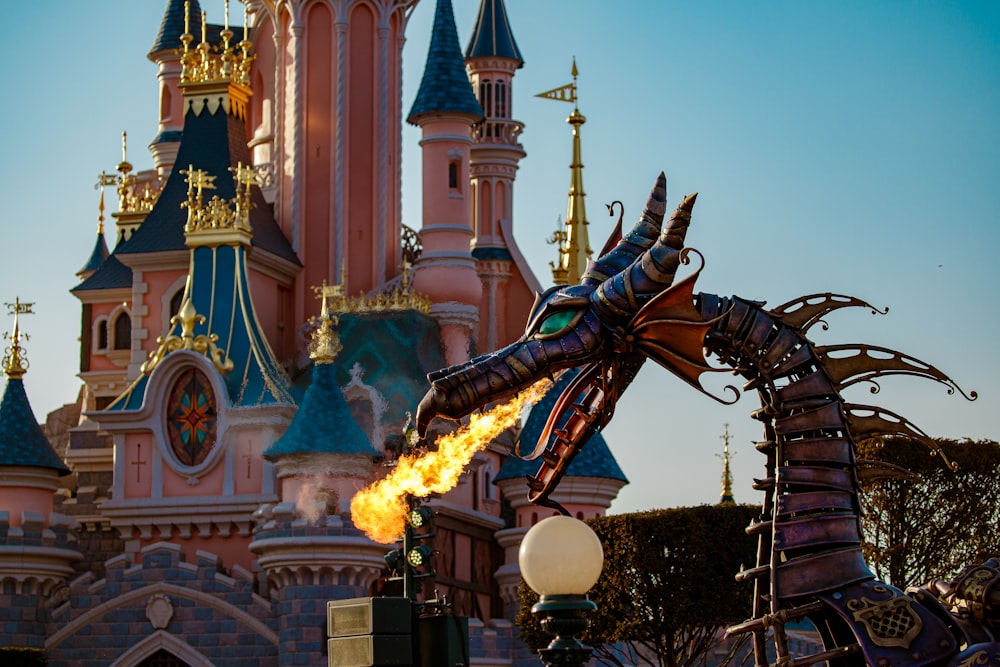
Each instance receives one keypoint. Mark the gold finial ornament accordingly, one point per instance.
(572, 242)
(15, 364)
(205, 64)
(727, 475)
(130, 199)
(220, 217)
(187, 317)
(325, 344)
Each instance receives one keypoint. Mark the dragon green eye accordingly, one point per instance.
(556, 322)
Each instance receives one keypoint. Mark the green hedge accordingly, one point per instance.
(668, 580)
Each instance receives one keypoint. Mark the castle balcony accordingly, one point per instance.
(497, 131)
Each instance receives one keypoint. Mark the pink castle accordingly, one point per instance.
(199, 513)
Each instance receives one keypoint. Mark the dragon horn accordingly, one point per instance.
(620, 297)
(642, 236)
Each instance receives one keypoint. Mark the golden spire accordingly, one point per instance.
(103, 180)
(325, 344)
(572, 240)
(14, 362)
(727, 476)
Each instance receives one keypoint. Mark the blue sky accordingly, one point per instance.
(851, 147)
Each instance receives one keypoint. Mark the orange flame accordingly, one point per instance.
(380, 509)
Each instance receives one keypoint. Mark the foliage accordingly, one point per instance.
(919, 530)
(12, 656)
(667, 587)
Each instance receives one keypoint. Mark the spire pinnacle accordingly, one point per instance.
(202, 64)
(572, 241)
(325, 344)
(727, 476)
(14, 362)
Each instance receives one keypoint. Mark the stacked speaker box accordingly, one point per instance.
(370, 632)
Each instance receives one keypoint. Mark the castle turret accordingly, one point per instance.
(492, 58)
(37, 545)
(445, 109)
(178, 19)
(100, 251)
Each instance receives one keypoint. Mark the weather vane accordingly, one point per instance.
(14, 361)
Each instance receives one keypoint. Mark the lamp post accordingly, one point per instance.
(561, 559)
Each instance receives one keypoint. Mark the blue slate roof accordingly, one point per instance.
(22, 442)
(172, 26)
(212, 142)
(97, 255)
(492, 36)
(594, 460)
(324, 423)
(445, 87)
(112, 274)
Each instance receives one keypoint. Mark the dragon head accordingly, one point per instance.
(585, 326)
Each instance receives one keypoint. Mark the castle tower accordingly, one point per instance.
(214, 84)
(180, 17)
(325, 127)
(37, 550)
(445, 110)
(322, 460)
(492, 58)
(209, 396)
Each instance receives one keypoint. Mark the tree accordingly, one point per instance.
(667, 587)
(921, 529)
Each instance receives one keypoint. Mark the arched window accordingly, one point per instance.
(175, 303)
(501, 99)
(166, 104)
(486, 97)
(102, 335)
(191, 417)
(123, 332)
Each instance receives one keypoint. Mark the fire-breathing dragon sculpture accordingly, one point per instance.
(809, 563)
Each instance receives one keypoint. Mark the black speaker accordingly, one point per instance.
(442, 640)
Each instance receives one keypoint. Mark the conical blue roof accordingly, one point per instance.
(445, 87)
(22, 442)
(492, 36)
(172, 26)
(97, 256)
(593, 460)
(324, 423)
